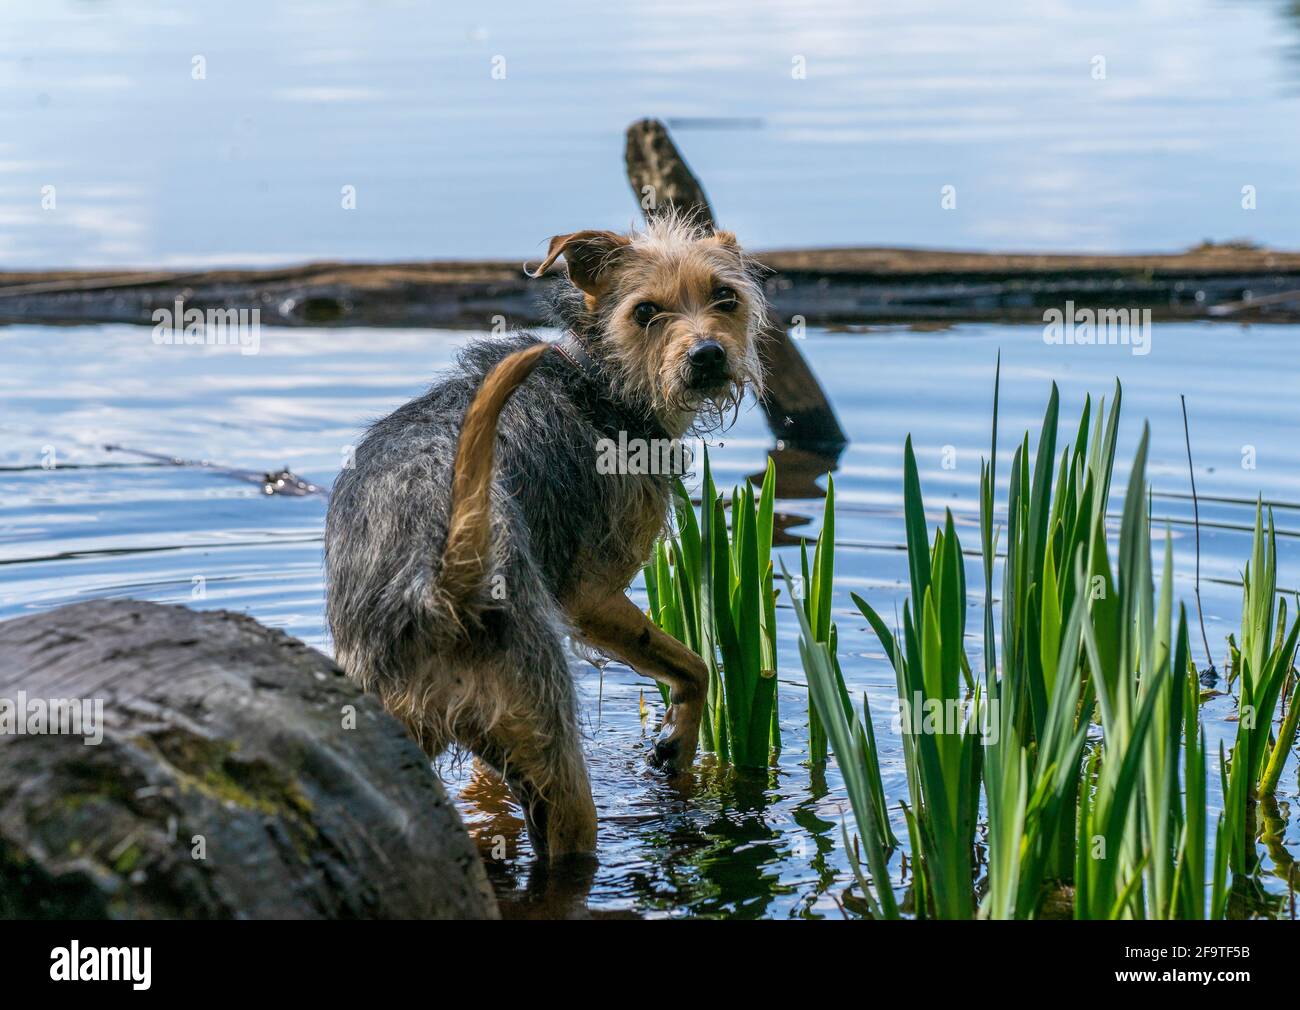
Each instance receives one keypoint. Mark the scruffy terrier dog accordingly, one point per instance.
(475, 530)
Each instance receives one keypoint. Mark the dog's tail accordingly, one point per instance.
(465, 559)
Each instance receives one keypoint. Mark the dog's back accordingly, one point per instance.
(551, 514)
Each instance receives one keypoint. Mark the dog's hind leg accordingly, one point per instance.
(535, 746)
(616, 626)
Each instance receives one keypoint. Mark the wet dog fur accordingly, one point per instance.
(473, 531)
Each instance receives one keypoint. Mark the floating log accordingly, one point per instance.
(825, 286)
(463, 295)
(240, 775)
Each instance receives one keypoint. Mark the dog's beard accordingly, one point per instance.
(716, 410)
(703, 410)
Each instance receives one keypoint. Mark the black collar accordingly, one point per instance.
(573, 352)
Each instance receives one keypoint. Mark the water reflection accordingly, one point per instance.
(800, 472)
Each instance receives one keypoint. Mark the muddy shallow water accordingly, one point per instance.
(78, 522)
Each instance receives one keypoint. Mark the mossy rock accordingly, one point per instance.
(240, 775)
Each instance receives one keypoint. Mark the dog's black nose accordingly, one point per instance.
(708, 356)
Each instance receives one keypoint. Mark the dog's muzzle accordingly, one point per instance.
(708, 365)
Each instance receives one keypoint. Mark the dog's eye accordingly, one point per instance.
(645, 313)
(726, 298)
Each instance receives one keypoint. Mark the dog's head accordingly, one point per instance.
(677, 313)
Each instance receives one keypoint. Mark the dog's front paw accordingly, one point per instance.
(674, 748)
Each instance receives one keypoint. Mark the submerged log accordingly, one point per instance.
(240, 774)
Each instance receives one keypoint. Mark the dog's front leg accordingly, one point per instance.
(616, 626)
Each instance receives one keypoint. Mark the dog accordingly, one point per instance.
(473, 530)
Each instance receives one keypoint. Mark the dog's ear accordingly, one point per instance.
(726, 238)
(589, 255)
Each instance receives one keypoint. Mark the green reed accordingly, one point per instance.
(1117, 829)
(1265, 660)
(815, 589)
(712, 589)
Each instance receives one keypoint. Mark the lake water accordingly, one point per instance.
(478, 130)
(77, 522)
